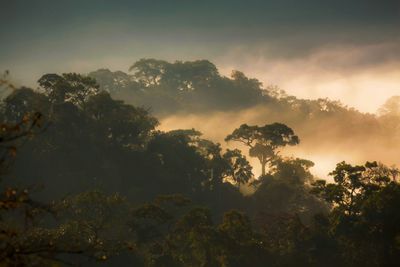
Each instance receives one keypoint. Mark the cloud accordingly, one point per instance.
(360, 76)
(325, 141)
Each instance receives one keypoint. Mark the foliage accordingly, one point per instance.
(264, 141)
(364, 220)
(119, 191)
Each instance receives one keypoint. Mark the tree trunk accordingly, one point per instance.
(263, 167)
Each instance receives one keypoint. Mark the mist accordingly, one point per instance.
(199, 133)
(356, 147)
(360, 76)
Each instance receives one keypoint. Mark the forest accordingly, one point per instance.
(89, 176)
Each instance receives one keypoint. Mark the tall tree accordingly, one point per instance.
(69, 87)
(364, 218)
(238, 168)
(264, 141)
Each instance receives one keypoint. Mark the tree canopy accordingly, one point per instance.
(89, 179)
(263, 141)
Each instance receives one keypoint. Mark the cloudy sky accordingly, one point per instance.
(347, 50)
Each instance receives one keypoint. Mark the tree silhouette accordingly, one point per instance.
(69, 87)
(264, 141)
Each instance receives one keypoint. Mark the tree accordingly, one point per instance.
(112, 82)
(238, 170)
(353, 184)
(293, 170)
(34, 233)
(240, 244)
(391, 107)
(118, 122)
(68, 87)
(389, 115)
(23, 101)
(264, 141)
(178, 77)
(194, 239)
(149, 72)
(364, 218)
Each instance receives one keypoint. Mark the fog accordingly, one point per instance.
(114, 116)
(326, 144)
(360, 76)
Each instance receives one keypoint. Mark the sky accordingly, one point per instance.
(344, 50)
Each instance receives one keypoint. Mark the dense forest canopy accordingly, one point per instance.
(199, 133)
(90, 178)
(194, 94)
